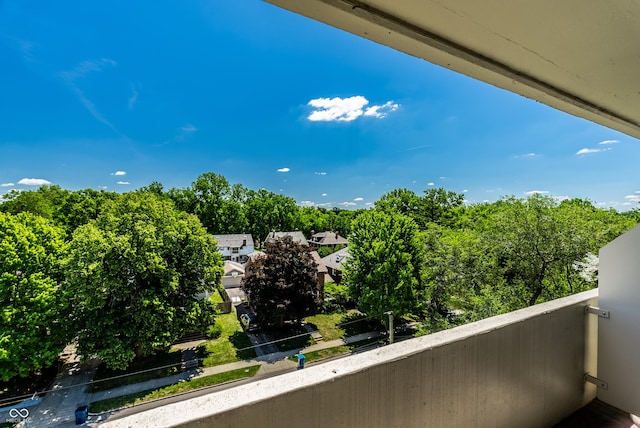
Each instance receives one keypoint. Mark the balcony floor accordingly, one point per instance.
(598, 414)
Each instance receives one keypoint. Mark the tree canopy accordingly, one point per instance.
(282, 285)
(384, 268)
(133, 275)
(32, 318)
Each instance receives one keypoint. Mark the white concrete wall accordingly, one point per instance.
(619, 336)
(522, 369)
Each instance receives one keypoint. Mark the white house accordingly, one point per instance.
(235, 247)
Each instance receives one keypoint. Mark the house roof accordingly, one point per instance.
(329, 238)
(234, 240)
(335, 260)
(319, 263)
(231, 266)
(296, 235)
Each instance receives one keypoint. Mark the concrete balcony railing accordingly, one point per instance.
(522, 369)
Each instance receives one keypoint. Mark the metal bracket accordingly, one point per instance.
(597, 382)
(595, 310)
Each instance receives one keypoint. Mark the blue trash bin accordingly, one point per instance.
(82, 413)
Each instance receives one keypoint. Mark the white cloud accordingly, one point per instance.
(431, 183)
(369, 204)
(527, 155)
(81, 70)
(324, 194)
(307, 204)
(34, 181)
(118, 173)
(188, 128)
(609, 142)
(123, 182)
(465, 190)
(418, 147)
(586, 151)
(134, 97)
(284, 169)
(358, 199)
(321, 173)
(7, 184)
(633, 198)
(347, 109)
(536, 192)
(381, 111)
(348, 204)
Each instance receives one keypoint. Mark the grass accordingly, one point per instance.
(327, 325)
(215, 297)
(178, 388)
(323, 354)
(232, 345)
(147, 365)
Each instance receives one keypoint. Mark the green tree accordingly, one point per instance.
(80, 207)
(267, 211)
(33, 328)
(282, 285)
(133, 275)
(384, 269)
(536, 244)
(218, 205)
(440, 205)
(42, 201)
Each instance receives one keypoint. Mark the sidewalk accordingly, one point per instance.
(70, 388)
(69, 391)
(270, 363)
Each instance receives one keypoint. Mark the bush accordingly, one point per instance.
(214, 331)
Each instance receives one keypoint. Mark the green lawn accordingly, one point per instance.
(230, 346)
(215, 297)
(327, 325)
(196, 383)
(338, 325)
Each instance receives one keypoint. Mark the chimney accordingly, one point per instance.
(244, 242)
(336, 235)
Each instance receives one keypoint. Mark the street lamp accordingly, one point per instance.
(390, 314)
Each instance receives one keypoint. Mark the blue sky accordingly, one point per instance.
(114, 95)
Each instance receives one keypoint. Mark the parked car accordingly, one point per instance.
(249, 321)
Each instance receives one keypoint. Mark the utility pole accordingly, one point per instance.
(390, 314)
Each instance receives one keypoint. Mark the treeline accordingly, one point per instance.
(118, 273)
(220, 206)
(436, 259)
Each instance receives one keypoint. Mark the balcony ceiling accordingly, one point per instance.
(579, 56)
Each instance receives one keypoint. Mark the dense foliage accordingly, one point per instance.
(133, 275)
(32, 326)
(134, 262)
(384, 269)
(282, 285)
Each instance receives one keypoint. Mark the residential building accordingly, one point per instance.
(327, 239)
(235, 247)
(233, 274)
(334, 263)
(296, 235)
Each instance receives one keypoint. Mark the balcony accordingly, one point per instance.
(525, 369)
